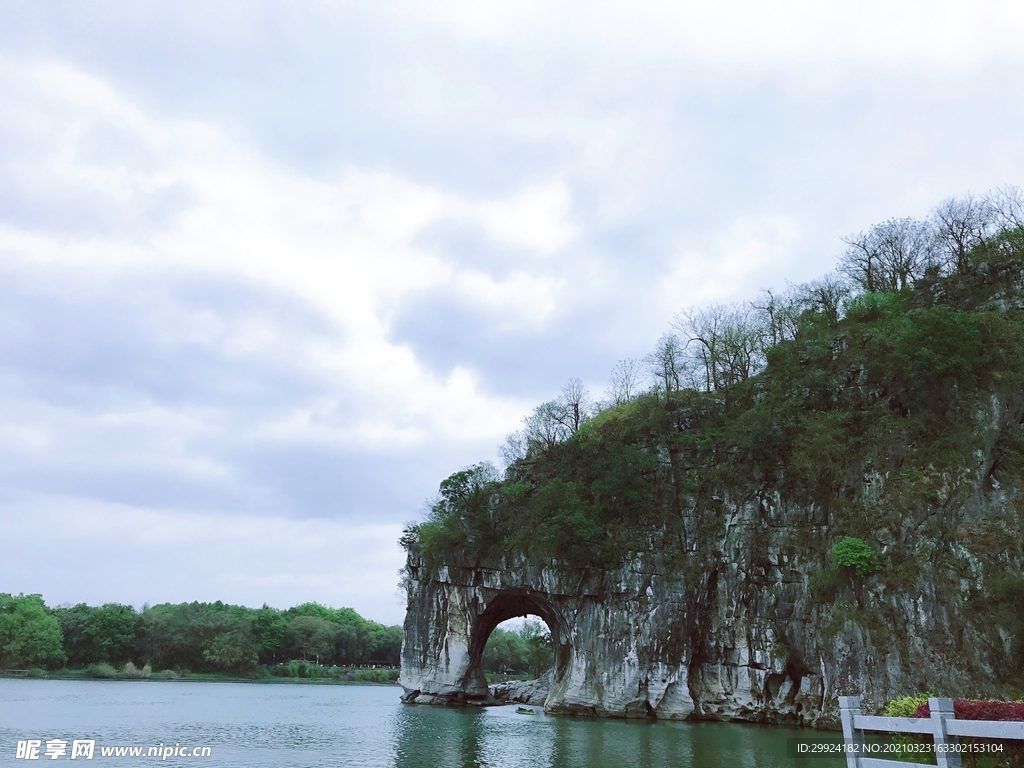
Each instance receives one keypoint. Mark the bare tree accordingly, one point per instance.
(860, 261)
(741, 347)
(545, 427)
(905, 246)
(824, 295)
(551, 422)
(514, 448)
(702, 328)
(889, 256)
(1006, 205)
(625, 381)
(962, 224)
(776, 315)
(576, 405)
(668, 363)
(725, 341)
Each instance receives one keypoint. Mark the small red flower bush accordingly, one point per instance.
(964, 709)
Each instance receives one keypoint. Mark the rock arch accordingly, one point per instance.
(619, 650)
(510, 604)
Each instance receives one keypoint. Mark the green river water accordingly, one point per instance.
(256, 725)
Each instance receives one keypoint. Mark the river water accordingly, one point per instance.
(309, 726)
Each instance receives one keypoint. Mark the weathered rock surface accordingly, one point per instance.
(523, 691)
(745, 640)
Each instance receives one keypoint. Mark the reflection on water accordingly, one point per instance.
(320, 725)
(499, 738)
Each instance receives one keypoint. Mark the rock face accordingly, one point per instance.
(523, 691)
(750, 638)
(618, 647)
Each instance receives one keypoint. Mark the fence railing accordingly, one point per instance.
(942, 726)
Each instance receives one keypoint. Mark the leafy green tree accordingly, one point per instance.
(389, 649)
(77, 646)
(357, 641)
(107, 633)
(505, 652)
(234, 650)
(527, 649)
(30, 635)
(464, 512)
(269, 626)
(112, 632)
(856, 554)
(312, 636)
(540, 654)
(177, 636)
(197, 636)
(569, 528)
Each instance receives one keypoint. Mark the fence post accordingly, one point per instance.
(849, 707)
(942, 710)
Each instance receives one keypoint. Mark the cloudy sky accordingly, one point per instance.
(269, 272)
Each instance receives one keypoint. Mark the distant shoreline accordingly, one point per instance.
(7, 674)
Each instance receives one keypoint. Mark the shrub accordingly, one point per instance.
(906, 706)
(856, 554)
(304, 669)
(824, 583)
(166, 674)
(963, 709)
(875, 305)
(101, 671)
(134, 673)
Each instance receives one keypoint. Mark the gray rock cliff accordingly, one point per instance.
(749, 640)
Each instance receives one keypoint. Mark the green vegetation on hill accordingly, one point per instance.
(198, 637)
(874, 405)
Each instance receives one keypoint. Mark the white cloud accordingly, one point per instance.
(344, 247)
(735, 263)
(533, 219)
(428, 93)
(179, 556)
(945, 33)
(521, 300)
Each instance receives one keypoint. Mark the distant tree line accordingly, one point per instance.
(199, 637)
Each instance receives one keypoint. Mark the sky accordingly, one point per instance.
(270, 272)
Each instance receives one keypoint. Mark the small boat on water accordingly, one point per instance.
(525, 711)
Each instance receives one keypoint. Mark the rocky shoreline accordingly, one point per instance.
(532, 692)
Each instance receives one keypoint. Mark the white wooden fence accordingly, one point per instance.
(942, 726)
